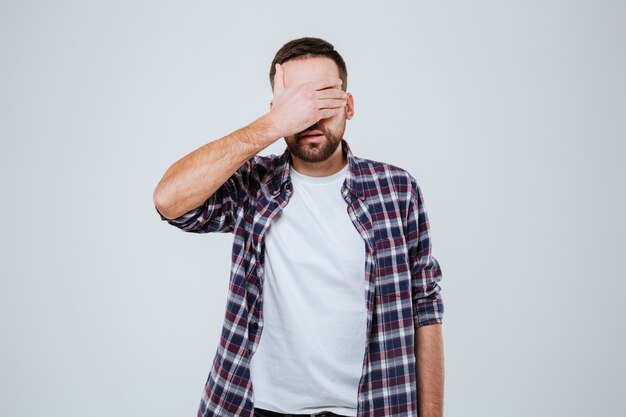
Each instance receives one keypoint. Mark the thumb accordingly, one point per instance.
(279, 82)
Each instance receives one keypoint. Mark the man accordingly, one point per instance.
(334, 306)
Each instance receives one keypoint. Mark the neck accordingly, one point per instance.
(325, 168)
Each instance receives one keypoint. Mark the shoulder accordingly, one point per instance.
(265, 166)
(378, 176)
(259, 166)
(259, 170)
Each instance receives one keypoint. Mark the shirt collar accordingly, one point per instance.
(353, 177)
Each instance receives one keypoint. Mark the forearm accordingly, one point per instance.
(430, 370)
(195, 177)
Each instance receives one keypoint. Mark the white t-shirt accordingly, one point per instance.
(311, 350)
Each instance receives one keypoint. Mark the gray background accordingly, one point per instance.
(510, 114)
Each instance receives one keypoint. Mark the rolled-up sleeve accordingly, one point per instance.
(219, 212)
(425, 269)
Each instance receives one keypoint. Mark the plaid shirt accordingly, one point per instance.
(401, 290)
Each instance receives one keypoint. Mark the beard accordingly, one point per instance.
(316, 151)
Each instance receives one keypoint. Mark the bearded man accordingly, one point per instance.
(334, 305)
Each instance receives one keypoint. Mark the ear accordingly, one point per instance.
(349, 109)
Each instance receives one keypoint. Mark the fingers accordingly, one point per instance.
(331, 98)
(331, 103)
(326, 113)
(279, 82)
(336, 93)
(327, 83)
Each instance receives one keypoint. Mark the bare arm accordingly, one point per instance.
(430, 370)
(194, 178)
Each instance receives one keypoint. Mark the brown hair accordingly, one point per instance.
(309, 48)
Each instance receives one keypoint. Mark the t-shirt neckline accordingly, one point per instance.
(329, 179)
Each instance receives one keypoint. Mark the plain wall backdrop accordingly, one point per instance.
(510, 114)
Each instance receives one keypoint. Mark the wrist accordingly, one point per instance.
(268, 129)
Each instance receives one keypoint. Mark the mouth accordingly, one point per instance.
(312, 136)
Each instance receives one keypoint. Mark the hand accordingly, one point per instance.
(296, 108)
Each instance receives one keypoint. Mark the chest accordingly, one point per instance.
(316, 228)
